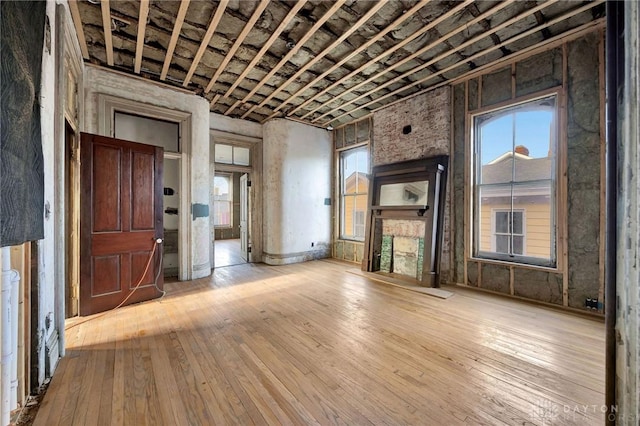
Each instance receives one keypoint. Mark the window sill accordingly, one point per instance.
(555, 269)
(349, 240)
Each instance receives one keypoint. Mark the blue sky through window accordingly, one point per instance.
(532, 130)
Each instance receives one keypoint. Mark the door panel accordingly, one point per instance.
(121, 216)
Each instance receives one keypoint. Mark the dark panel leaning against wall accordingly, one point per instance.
(351, 134)
(579, 274)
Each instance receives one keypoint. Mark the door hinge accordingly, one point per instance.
(248, 249)
(248, 183)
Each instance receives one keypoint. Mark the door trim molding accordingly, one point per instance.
(107, 107)
(255, 174)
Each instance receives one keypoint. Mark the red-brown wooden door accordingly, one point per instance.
(120, 219)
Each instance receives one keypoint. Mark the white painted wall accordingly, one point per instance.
(297, 179)
(99, 80)
(148, 131)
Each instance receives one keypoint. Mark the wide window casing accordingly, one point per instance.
(515, 183)
(354, 189)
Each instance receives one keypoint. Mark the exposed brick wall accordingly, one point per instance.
(429, 116)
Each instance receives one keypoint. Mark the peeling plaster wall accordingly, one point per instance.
(235, 126)
(532, 75)
(46, 320)
(103, 81)
(296, 182)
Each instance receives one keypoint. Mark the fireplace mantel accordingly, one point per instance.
(406, 205)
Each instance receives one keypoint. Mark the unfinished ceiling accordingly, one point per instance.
(322, 62)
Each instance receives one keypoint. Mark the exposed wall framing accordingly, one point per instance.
(568, 68)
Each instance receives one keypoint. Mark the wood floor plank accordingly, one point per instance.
(312, 343)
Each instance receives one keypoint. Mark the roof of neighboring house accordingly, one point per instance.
(351, 180)
(526, 169)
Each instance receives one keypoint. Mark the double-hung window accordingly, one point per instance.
(514, 183)
(354, 189)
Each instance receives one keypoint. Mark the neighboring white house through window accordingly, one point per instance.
(354, 187)
(222, 201)
(515, 163)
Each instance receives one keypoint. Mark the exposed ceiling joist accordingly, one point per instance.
(408, 14)
(215, 20)
(447, 53)
(77, 23)
(142, 25)
(353, 28)
(386, 53)
(248, 60)
(177, 27)
(274, 36)
(337, 5)
(239, 40)
(477, 55)
(106, 27)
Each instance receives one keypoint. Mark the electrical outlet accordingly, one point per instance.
(312, 243)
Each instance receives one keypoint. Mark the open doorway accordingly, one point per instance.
(231, 218)
(164, 133)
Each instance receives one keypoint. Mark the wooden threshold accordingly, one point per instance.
(311, 343)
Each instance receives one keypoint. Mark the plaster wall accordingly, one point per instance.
(297, 181)
(47, 255)
(235, 125)
(103, 81)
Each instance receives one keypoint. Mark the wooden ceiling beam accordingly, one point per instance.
(337, 5)
(142, 25)
(105, 8)
(232, 107)
(239, 40)
(215, 20)
(379, 57)
(177, 27)
(480, 54)
(77, 23)
(411, 57)
(353, 28)
(274, 36)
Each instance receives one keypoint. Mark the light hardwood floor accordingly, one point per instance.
(227, 253)
(314, 344)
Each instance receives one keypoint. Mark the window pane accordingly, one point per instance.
(241, 156)
(502, 244)
(516, 224)
(354, 166)
(223, 153)
(518, 245)
(502, 222)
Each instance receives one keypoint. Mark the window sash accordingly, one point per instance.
(352, 203)
(511, 188)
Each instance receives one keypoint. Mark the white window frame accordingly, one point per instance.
(474, 213)
(343, 196)
(495, 233)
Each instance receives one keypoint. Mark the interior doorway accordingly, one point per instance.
(231, 218)
(164, 133)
